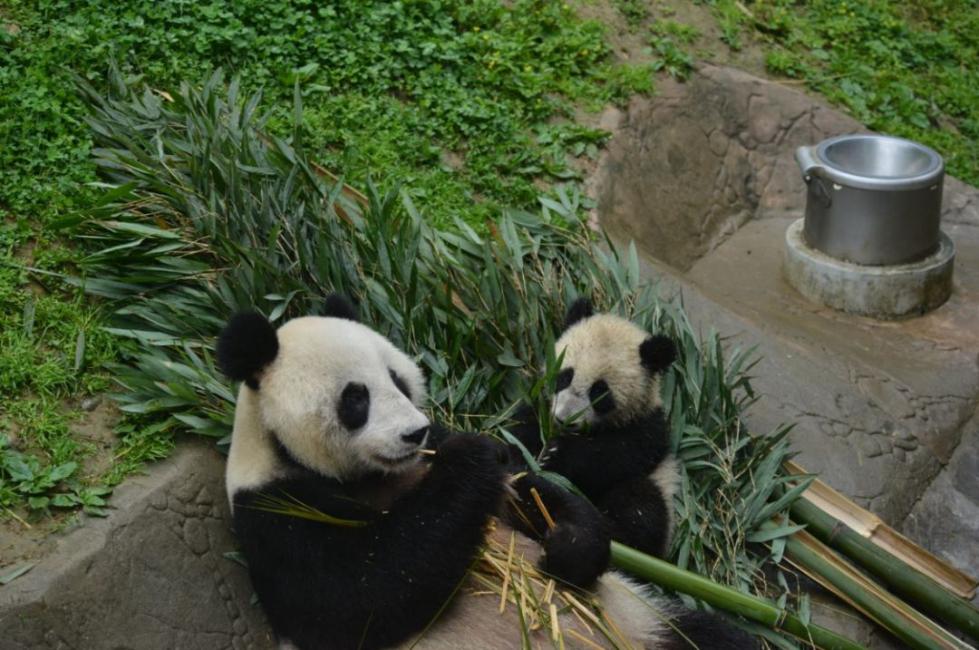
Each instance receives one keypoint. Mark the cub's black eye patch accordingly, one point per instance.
(400, 383)
(564, 378)
(355, 402)
(601, 397)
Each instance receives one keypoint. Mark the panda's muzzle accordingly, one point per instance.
(416, 437)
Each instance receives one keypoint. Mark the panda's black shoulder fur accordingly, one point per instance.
(379, 586)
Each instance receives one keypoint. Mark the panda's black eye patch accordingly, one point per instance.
(400, 383)
(564, 379)
(355, 402)
(601, 397)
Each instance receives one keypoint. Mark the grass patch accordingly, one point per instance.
(906, 69)
(468, 103)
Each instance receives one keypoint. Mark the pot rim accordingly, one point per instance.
(817, 163)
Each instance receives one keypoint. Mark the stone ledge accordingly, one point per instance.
(151, 575)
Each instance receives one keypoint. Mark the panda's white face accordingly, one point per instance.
(602, 377)
(342, 399)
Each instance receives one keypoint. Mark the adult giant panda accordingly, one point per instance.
(612, 439)
(329, 418)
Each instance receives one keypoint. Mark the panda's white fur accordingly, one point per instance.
(291, 402)
(604, 346)
(297, 401)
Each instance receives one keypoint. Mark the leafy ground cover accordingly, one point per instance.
(909, 69)
(465, 102)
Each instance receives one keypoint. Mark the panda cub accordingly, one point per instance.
(328, 418)
(613, 441)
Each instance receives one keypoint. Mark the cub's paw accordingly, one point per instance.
(575, 555)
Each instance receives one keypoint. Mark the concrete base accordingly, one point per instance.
(885, 292)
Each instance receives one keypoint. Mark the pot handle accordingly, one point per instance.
(811, 173)
(807, 163)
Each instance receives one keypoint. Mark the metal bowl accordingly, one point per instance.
(872, 199)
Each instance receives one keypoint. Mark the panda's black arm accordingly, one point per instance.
(609, 455)
(638, 515)
(375, 585)
(576, 549)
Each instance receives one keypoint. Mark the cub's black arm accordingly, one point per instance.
(606, 455)
(576, 549)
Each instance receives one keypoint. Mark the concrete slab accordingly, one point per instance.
(883, 292)
(879, 405)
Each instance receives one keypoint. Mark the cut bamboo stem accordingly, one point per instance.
(911, 584)
(543, 509)
(827, 568)
(870, 526)
(752, 608)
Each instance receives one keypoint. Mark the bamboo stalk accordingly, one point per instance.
(750, 607)
(829, 569)
(913, 585)
(543, 509)
(872, 527)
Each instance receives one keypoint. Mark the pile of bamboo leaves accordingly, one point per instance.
(204, 214)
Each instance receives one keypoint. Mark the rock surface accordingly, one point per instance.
(948, 512)
(688, 167)
(150, 576)
(702, 177)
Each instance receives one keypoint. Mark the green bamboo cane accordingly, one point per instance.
(752, 608)
(897, 617)
(910, 583)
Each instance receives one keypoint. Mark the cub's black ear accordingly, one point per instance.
(247, 344)
(579, 310)
(337, 306)
(657, 353)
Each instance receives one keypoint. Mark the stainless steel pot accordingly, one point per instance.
(872, 199)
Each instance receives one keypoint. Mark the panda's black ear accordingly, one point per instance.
(657, 353)
(338, 306)
(247, 344)
(579, 310)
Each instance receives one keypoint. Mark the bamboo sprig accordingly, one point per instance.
(752, 608)
(290, 506)
(918, 588)
(827, 568)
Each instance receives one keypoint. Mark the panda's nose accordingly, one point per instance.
(415, 437)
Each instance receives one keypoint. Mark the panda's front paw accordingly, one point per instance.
(550, 450)
(576, 554)
(555, 456)
(467, 456)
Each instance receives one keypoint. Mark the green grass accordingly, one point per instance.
(467, 103)
(904, 68)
